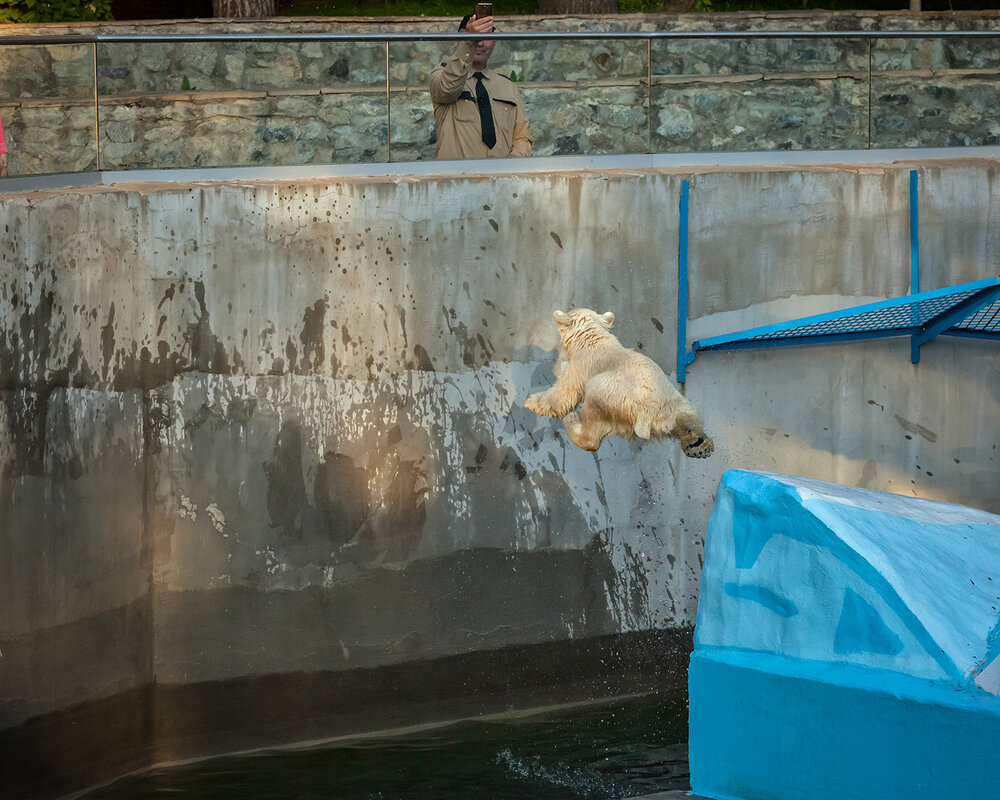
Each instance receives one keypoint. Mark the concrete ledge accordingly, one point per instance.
(795, 159)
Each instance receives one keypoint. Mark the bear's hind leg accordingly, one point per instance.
(578, 433)
(588, 428)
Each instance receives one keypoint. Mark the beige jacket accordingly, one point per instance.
(459, 133)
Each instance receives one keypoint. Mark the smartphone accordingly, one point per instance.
(484, 10)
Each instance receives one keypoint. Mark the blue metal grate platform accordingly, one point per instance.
(985, 323)
(968, 309)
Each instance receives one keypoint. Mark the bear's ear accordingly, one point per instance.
(562, 318)
(608, 319)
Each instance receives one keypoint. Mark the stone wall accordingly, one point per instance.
(274, 103)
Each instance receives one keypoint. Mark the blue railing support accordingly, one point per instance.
(914, 255)
(914, 233)
(682, 283)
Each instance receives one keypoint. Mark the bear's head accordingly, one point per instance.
(582, 327)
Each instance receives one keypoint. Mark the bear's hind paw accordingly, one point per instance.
(698, 447)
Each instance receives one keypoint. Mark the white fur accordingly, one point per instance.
(623, 393)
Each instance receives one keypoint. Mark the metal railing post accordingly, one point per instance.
(869, 94)
(97, 114)
(388, 108)
(649, 95)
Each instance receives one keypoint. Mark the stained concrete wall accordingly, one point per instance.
(275, 428)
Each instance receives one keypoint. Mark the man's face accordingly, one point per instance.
(482, 53)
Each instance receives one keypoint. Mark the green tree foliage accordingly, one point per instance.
(54, 10)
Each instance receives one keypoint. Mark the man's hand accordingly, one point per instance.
(3, 165)
(479, 25)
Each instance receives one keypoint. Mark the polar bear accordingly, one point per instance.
(623, 392)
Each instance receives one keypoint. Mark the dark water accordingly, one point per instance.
(599, 752)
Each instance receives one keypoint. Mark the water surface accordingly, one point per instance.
(595, 752)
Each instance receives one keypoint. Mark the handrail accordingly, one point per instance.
(150, 38)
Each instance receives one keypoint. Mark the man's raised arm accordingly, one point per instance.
(448, 78)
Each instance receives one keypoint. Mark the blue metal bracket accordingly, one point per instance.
(914, 253)
(914, 233)
(921, 316)
(683, 357)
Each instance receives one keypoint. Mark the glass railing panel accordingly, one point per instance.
(581, 97)
(934, 92)
(47, 108)
(755, 54)
(935, 53)
(737, 95)
(412, 133)
(590, 97)
(241, 104)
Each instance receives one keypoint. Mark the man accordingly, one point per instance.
(478, 111)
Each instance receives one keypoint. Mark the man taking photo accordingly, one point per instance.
(478, 111)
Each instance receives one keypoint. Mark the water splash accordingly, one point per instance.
(586, 783)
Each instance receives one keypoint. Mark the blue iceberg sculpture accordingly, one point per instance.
(846, 646)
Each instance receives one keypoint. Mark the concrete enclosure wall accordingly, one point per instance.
(276, 428)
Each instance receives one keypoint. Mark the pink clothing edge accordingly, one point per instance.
(3, 140)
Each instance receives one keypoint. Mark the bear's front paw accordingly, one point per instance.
(539, 404)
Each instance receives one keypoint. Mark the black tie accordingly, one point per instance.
(485, 112)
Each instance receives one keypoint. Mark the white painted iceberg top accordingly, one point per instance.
(823, 572)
